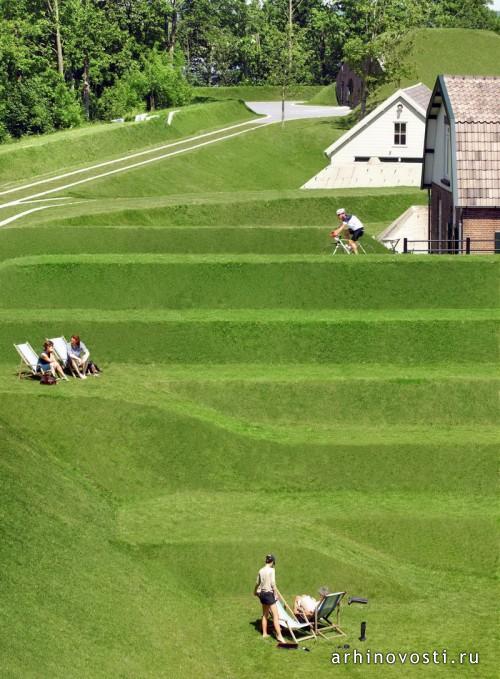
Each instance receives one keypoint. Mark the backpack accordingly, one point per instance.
(47, 378)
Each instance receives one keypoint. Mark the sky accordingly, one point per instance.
(496, 5)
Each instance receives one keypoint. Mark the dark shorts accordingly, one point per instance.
(267, 598)
(356, 235)
(43, 367)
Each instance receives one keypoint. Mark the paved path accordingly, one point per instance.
(294, 110)
(23, 194)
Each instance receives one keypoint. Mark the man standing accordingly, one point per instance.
(354, 226)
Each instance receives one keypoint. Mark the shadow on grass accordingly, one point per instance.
(256, 624)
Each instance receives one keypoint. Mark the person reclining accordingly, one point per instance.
(304, 605)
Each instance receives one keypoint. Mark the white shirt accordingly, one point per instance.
(353, 222)
(76, 352)
(266, 579)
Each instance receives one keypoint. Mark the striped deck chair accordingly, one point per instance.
(325, 609)
(293, 626)
(29, 358)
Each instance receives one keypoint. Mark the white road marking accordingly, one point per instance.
(20, 201)
(33, 209)
(45, 200)
(187, 140)
(171, 116)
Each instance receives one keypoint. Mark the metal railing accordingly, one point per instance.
(465, 246)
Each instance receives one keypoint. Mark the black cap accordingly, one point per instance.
(270, 558)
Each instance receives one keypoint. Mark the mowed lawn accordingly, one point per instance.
(257, 395)
(273, 157)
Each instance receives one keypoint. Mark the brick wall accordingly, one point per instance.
(481, 224)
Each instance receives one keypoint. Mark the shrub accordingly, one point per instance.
(67, 111)
(166, 84)
(126, 95)
(4, 133)
(159, 83)
(39, 104)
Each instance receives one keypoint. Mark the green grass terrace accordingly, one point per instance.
(258, 395)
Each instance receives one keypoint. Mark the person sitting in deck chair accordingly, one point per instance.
(48, 362)
(354, 226)
(78, 358)
(305, 605)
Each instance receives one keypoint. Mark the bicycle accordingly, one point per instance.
(343, 245)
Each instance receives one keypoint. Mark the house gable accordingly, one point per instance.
(462, 140)
(374, 136)
(439, 142)
(462, 163)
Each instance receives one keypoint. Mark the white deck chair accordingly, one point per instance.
(290, 623)
(30, 359)
(61, 352)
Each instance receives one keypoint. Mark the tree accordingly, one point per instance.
(213, 35)
(460, 14)
(374, 47)
(286, 63)
(53, 6)
(326, 33)
(174, 9)
(98, 49)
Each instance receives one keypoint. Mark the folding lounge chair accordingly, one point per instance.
(325, 609)
(30, 359)
(61, 352)
(293, 626)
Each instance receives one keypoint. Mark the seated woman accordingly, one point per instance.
(78, 358)
(48, 362)
(305, 605)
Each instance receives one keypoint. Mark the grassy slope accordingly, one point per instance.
(327, 96)
(49, 153)
(138, 529)
(244, 282)
(338, 411)
(257, 92)
(269, 158)
(452, 51)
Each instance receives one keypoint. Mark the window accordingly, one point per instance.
(399, 134)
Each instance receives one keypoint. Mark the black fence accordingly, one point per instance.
(466, 246)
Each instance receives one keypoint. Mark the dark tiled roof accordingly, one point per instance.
(474, 99)
(475, 102)
(420, 94)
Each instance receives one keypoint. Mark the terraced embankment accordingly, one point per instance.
(257, 396)
(341, 412)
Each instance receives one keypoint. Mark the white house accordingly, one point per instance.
(384, 149)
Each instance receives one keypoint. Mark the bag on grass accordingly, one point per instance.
(47, 378)
(92, 368)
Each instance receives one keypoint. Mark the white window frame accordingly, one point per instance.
(400, 133)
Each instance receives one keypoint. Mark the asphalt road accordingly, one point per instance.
(294, 110)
